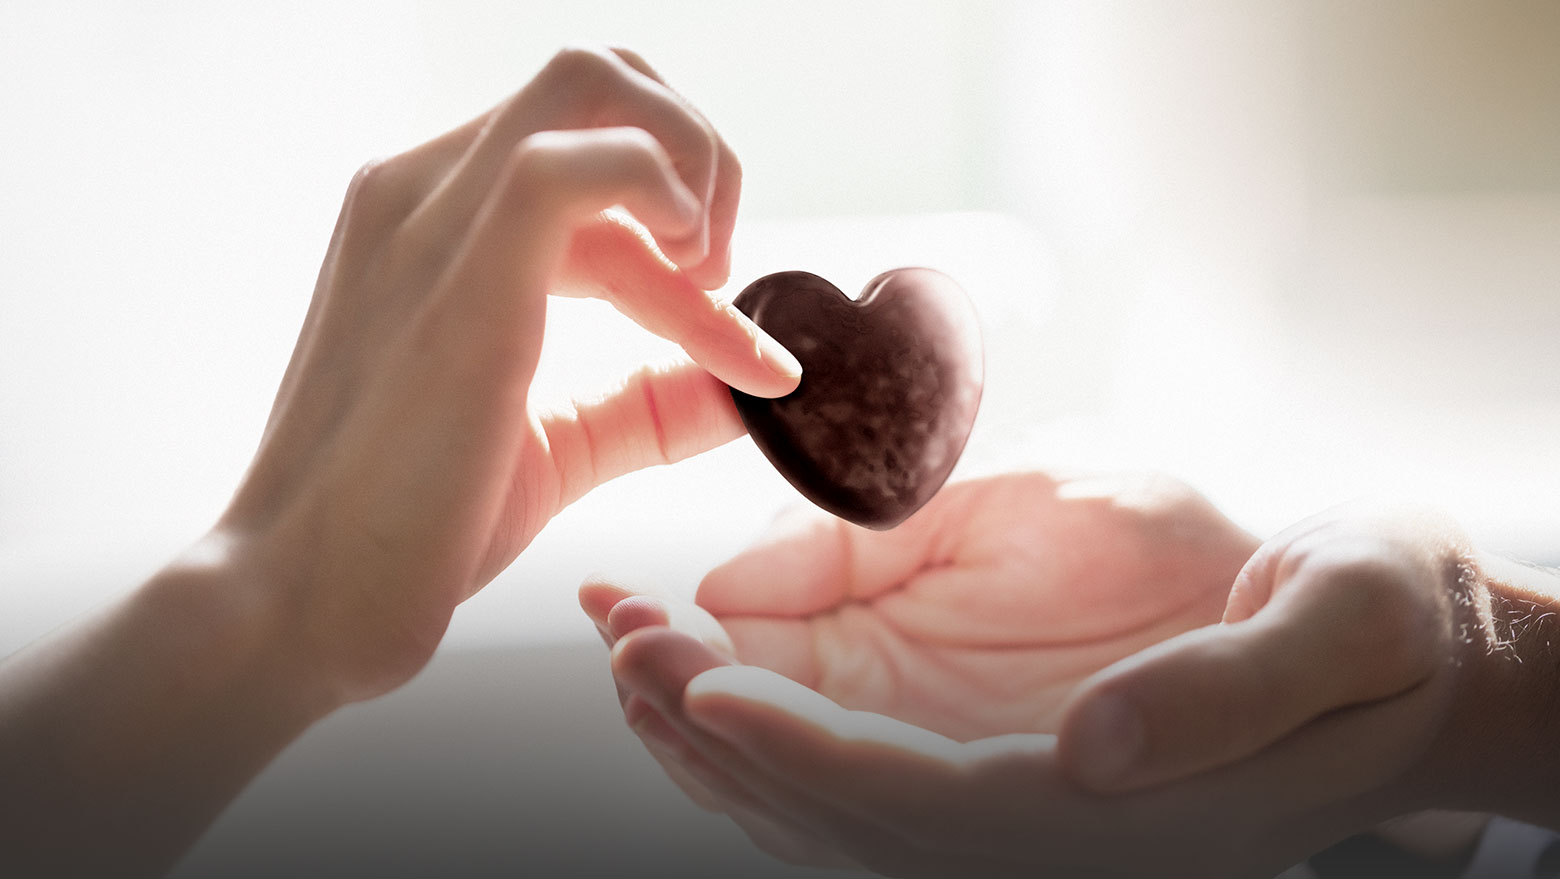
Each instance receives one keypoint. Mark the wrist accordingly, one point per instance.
(1509, 707)
(335, 615)
(215, 596)
(178, 695)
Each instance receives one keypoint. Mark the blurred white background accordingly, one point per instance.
(1292, 251)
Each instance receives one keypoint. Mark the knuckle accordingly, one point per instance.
(532, 168)
(377, 187)
(711, 140)
(530, 155)
(1367, 580)
(1386, 606)
(547, 168)
(640, 148)
(732, 167)
(581, 67)
(367, 176)
(1164, 497)
(633, 58)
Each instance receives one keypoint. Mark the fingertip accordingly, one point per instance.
(731, 691)
(766, 384)
(636, 651)
(768, 370)
(597, 597)
(711, 697)
(728, 587)
(794, 569)
(786, 368)
(636, 612)
(658, 662)
(712, 685)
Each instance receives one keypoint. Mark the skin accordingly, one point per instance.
(938, 700)
(403, 465)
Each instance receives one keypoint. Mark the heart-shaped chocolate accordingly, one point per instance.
(890, 385)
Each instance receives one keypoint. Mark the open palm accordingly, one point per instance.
(974, 619)
(980, 614)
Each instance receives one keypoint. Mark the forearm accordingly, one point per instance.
(123, 736)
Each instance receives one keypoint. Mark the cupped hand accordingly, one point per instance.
(1355, 674)
(404, 463)
(833, 681)
(978, 616)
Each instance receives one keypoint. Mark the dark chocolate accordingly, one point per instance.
(890, 385)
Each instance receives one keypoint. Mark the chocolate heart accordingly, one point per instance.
(890, 385)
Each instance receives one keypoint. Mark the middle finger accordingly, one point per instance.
(579, 88)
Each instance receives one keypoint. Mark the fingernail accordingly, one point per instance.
(1110, 741)
(777, 358)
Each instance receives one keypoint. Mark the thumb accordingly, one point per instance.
(1335, 635)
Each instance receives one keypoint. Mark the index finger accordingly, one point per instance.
(611, 260)
(580, 89)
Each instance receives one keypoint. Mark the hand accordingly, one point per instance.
(1024, 583)
(404, 464)
(920, 670)
(1466, 728)
(1383, 621)
(1365, 611)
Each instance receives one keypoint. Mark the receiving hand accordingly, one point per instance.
(1358, 675)
(404, 463)
(920, 670)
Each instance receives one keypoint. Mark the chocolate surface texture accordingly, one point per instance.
(890, 385)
